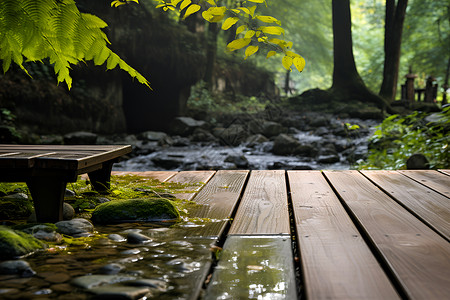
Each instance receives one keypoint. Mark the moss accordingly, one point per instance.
(135, 210)
(12, 208)
(16, 243)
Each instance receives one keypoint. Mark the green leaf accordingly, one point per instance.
(287, 62)
(229, 22)
(250, 51)
(191, 10)
(238, 44)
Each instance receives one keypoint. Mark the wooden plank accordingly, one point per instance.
(217, 201)
(191, 177)
(59, 148)
(416, 255)
(430, 206)
(447, 172)
(254, 267)
(157, 175)
(336, 261)
(264, 206)
(430, 178)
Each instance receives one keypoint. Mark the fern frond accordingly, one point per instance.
(55, 29)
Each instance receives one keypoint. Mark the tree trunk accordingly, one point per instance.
(395, 15)
(211, 53)
(347, 84)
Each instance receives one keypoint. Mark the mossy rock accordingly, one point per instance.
(15, 207)
(14, 243)
(135, 210)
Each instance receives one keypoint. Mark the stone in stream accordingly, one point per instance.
(137, 238)
(135, 210)
(76, 227)
(111, 269)
(15, 206)
(121, 292)
(19, 267)
(91, 281)
(44, 232)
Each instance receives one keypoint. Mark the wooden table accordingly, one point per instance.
(349, 234)
(47, 168)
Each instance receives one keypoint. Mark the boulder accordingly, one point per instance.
(417, 161)
(135, 210)
(152, 136)
(44, 232)
(80, 138)
(201, 135)
(256, 139)
(239, 160)
(266, 128)
(285, 145)
(234, 135)
(185, 126)
(15, 206)
(14, 243)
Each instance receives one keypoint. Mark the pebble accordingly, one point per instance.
(111, 269)
(91, 281)
(160, 285)
(76, 227)
(57, 277)
(19, 267)
(137, 238)
(116, 237)
(121, 292)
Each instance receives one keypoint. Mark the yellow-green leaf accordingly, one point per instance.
(241, 29)
(250, 50)
(191, 10)
(214, 14)
(299, 63)
(271, 53)
(252, 10)
(238, 44)
(211, 2)
(184, 4)
(256, 1)
(236, 11)
(175, 2)
(272, 30)
(249, 34)
(245, 10)
(229, 22)
(268, 19)
(287, 62)
(292, 54)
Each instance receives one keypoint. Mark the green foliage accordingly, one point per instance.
(253, 32)
(397, 138)
(34, 30)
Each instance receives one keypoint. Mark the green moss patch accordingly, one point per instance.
(135, 210)
(15, 243)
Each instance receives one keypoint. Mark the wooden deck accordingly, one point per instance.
(323, 235)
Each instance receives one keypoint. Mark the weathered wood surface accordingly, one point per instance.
(427, 204)
(195, 180)
(445, 171)
(432, 179)
(157, 175)
(417, 257)
(264, 206)
(336, 261)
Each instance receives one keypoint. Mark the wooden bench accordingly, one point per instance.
(47, 168)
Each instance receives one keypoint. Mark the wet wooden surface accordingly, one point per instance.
(349, 234)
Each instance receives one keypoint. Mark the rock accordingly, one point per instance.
(15, 206)
(168, 162)
(160, 285)
(91, 281)
(121, 292)
(185, 126)
(76, 227)
(111, 269)
(239, 160)
(44, 232)
(80, 138)
(328, 159)
(319, 121)
(266, 128)
(69, 193)
(152, 136)
(256, 139)
(116, 237)
(14, 243)
(285, 145)
(417, 161)
(137, 238)
(68, 211)
(231, 136)
(13, 267)
(135, 210)
(201, 135)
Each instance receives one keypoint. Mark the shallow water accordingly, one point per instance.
(169, 266)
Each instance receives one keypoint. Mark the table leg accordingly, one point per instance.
(100, 179)
(48, 198)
